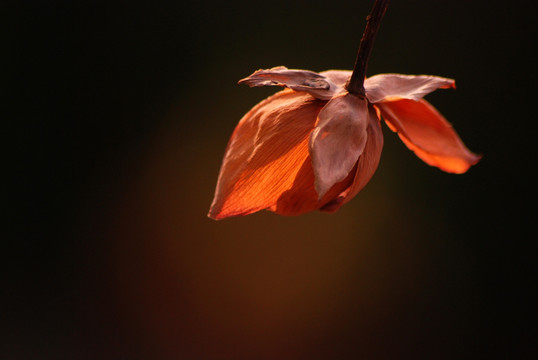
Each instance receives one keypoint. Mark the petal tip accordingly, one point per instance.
(475, 159)
(321, 188)
(214, 215)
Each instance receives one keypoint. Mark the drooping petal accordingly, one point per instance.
(338, 140)
(267, 150)
(390, 87)
(426, 132)
(299, 80)
(367, 164)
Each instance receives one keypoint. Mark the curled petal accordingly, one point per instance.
(367, 164)
(299, 80)
(390, 87)
(426, 132)
(338, 140)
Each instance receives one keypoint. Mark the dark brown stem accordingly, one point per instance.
(355, 84)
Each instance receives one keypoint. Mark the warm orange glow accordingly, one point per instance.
(265, 153)
(428, 134)
(314, 145)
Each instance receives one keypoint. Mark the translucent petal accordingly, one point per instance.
(425, 131)
(264, 154)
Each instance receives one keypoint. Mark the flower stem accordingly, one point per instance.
(355, 84)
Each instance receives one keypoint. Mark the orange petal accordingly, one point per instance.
(367, 164)
(265, 154)
(311, 82)
(390, 87)
(426, 132)
(302, 196)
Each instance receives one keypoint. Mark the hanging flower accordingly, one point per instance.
(316, 144)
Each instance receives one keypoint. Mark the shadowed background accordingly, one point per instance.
(116, 119)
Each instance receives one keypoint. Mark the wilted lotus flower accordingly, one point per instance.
(316, 144)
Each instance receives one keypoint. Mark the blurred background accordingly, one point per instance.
(116, 117)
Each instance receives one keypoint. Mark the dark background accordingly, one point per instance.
(115, 119)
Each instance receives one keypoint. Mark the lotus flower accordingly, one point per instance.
(314, 145)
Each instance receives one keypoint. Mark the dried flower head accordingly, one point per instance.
(317, 143)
